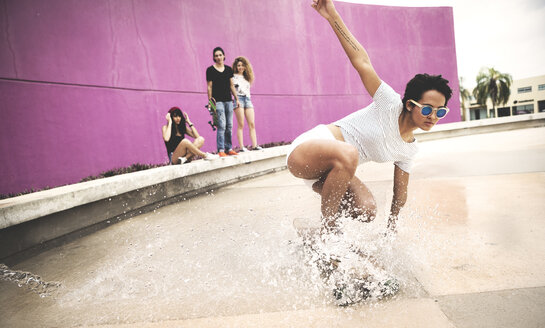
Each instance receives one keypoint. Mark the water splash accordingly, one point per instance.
(363, 264)
(28, 280)
(239, 261)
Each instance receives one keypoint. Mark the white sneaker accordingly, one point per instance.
(182, 160)
(244, 149)
(258, 148)
(209, 157)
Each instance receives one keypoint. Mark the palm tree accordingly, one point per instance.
(465, 96)
(494, 85)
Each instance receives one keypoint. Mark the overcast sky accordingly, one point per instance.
(506, 35)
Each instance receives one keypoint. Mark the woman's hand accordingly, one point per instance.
(169, 119)
(325, 8)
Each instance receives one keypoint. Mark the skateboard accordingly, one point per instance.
(349, 285)
(211, 107)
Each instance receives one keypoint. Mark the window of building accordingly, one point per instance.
(541, 106)
(504, 111)
(477, 113)
(541, 87)
(523, 109)
(524, 89)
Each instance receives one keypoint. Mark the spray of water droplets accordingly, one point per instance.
(28, 281)
(362, 263)
(237, 264)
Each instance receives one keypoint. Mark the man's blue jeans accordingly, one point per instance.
(225, 125)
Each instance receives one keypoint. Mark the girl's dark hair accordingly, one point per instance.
(421, 83)
(216, 49)
(176, 111)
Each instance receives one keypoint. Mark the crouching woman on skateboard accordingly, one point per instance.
(180, 149)
(327, 156)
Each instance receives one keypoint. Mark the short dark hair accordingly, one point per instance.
(421, 83)
(216, 49)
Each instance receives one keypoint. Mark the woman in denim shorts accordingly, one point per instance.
(242, 78)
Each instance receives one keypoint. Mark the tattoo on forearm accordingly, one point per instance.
(346, 37)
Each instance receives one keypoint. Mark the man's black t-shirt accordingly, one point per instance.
(221, 83)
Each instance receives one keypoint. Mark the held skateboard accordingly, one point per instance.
(211, 107)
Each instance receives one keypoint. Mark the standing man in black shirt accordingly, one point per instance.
(219, 78)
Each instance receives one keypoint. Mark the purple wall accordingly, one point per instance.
(85, 85)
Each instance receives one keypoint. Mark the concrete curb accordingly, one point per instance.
(482, 126)
(29, 220)
(31, 206)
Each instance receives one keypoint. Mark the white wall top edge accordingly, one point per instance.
(404, 3)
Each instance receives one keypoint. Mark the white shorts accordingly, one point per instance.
(320, 132)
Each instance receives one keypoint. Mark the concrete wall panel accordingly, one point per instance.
(85, 85)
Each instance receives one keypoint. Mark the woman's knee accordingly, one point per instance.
(251, 125)
(199, 141)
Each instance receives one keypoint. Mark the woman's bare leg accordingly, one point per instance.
(239, 113)
(357, 202)
(198, 142)
(336, 160)
(250, 117)
(186, 149)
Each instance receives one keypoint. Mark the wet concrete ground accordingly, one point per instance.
(470, 252)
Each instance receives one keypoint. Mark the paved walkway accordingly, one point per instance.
(470, 252)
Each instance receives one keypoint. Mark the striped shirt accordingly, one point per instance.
(374, 130)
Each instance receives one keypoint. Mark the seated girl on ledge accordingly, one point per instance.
(180, 149)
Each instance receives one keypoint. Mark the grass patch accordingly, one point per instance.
(123, 170)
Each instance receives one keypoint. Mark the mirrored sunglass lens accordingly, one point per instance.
(441, 112)
(426, 110)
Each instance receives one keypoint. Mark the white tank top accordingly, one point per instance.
(241, 85)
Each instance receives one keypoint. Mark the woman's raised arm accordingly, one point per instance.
(167, 128)
(354, 50)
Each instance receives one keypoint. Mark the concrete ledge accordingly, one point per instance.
(29, 220)
(482, 126)
(28, 207)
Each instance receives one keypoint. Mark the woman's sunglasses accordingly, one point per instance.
(427, 110)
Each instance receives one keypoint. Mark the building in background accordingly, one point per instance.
(527, 97)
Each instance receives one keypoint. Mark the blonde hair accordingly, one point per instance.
(248, 72)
